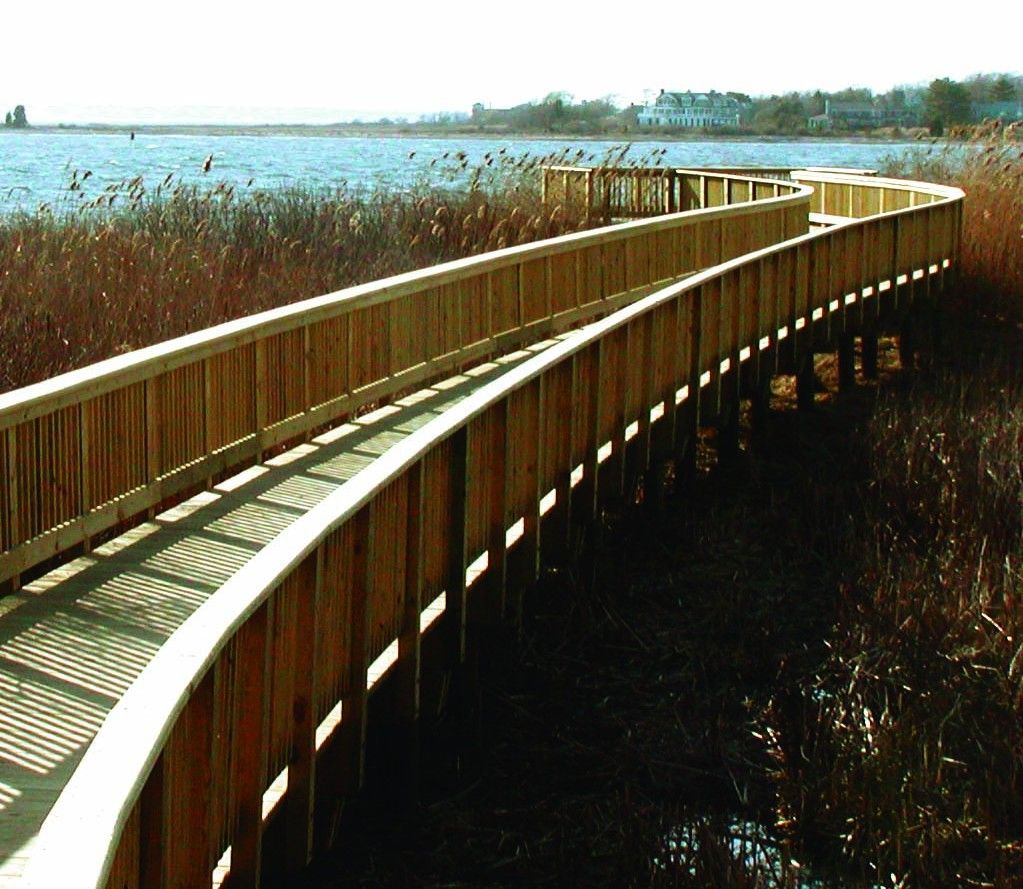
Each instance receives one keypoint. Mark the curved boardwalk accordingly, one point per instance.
(189, 701)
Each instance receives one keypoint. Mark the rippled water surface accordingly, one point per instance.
(36, 168)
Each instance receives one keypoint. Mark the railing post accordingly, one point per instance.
(494, 583)
(846, 362)
(556, 416)
(349, 776)
(455, 588)
(252, 731)
(868, 346)
(407, 668)
(760, 411)
(298, 813)
(186, 855)
(523, 561)
(152, 829)
(728, 431)
(806, 380)
(907, 344)
(587, 386)
(687, 417)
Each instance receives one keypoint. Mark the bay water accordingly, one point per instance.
(37, 168)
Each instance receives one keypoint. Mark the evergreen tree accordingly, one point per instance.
(1003, 89)
(947, 103)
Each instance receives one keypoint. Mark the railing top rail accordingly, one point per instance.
(34, 400)
(816, 175)
(739, 174)
(74, 847)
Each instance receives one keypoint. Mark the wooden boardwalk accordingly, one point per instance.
(191, 699)
(73, 641)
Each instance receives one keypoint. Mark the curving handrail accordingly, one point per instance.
(609, 193)
(132, 433)
(636, 380)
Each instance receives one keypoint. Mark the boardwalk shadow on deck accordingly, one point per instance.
(72, 642)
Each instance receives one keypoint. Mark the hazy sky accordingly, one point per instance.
(300, 60)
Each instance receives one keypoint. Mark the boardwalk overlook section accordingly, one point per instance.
(241, 562)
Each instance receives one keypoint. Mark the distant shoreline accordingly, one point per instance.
(371, 131)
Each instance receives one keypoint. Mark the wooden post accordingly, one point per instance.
(523, 562)
(186, 857)
(492, 593)
(353, 704)
(556, 524)
(687, 416)
(728, 431)
(252, 730)
(906, 344)
(588, 386)
(152, 829)
(298, 814)
(868, 352)
(455, 585)
(806, 381)
(846, 362)
(407, 669)
(760, 410)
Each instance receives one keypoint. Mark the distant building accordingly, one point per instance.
(688, 109)
(1006, 112)
(862, 116)
(483, 115)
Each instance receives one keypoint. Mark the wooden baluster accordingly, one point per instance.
(806, 381)
(493, 585)
(457, 606)
(350, 770)
(152, 828)
(687, 416)
(523, 561)
(407, 670)
(846, 362)
(186, 858)
(298, 812)
(868, 351)
(252, 730)
(586, 387)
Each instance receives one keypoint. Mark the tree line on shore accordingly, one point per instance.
(936, 106)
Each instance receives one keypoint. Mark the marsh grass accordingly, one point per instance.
(909, 764)
(137, 263)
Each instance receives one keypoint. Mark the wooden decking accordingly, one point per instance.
(73, 641)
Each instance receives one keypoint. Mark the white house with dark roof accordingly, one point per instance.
(689, 109)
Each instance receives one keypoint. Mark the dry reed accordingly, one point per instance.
(135, 265)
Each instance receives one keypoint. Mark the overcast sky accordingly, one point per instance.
(305, 61)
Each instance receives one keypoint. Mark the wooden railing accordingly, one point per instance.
(610, 193)
(93, 449)
(238, 691)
